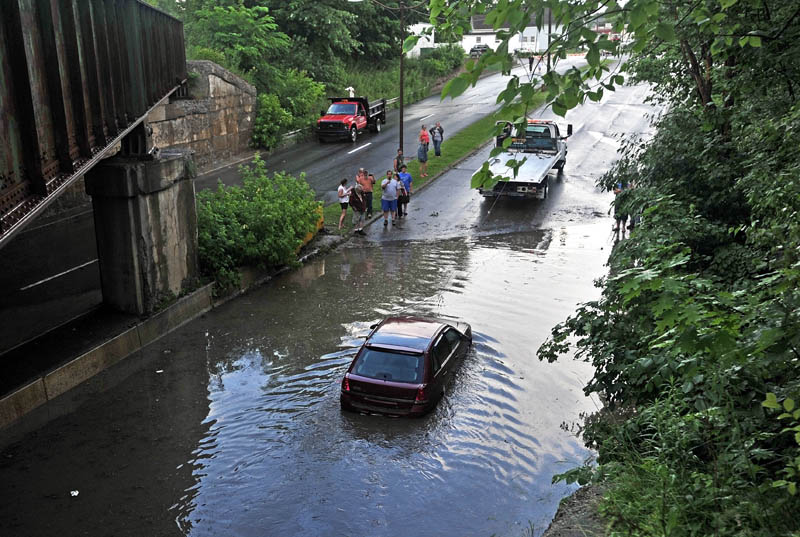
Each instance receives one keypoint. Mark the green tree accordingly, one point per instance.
(247, 37)
(699, 317)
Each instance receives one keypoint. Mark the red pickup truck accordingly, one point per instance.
(347, 117)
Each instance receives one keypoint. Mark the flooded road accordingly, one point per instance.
(231, 425)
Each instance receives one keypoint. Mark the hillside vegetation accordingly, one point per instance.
(696, 339)
(298, 52)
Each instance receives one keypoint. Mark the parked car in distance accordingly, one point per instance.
(478, 50)
(404, 366)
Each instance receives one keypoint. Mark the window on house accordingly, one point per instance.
(477, 39)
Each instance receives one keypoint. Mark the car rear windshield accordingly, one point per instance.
(388, 365)
(342, 109)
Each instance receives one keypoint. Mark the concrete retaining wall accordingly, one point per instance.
(54, 383)
(216, 121)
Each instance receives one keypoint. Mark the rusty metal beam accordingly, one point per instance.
(75, 76)
(76, 71)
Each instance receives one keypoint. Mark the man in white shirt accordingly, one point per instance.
(390, 187)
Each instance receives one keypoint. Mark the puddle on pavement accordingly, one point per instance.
(242, 433)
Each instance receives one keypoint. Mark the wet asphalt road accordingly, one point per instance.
(231, 425)
(49, 273)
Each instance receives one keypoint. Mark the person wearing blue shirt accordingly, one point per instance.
(402, 201)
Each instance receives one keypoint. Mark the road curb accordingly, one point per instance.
(63, 378)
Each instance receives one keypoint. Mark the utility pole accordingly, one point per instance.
(402, 55)
(549, 31)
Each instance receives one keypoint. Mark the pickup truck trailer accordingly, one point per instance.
(347, 117)
(542, 147)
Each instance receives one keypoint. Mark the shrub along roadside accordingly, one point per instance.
(262, 223)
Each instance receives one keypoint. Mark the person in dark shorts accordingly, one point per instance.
(367, 182)
(344, 199)
(402, 202)
(620, 208)
(358, 204)
(398, 160)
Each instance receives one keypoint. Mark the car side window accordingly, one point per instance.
(441, 350)
(453, 337)
(437, 363)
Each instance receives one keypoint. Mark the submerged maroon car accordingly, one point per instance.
(404, 365)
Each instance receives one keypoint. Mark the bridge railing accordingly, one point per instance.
(75, 77)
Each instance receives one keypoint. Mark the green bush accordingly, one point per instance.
(300, 96)
(205, 53)
(261, 223)
(271, 121)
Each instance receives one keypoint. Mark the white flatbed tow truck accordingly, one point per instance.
(541, 147)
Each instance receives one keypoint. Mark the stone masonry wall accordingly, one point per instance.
(216, 121)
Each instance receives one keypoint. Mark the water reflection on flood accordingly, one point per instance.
(231, 424)
(279, 456)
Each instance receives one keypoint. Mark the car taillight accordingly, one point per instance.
(346, 385)
(420, 395)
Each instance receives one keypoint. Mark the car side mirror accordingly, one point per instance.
(569, 129)
(373, 326)
(322, 112)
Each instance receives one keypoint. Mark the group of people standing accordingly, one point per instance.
(436, 135)
(359, 198)
(396, 186)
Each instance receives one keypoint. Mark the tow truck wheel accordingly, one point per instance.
(353, 134)
(378, 125)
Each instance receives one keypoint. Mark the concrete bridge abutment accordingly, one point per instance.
(146, 227)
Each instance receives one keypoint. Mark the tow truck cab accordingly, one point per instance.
(540, 135)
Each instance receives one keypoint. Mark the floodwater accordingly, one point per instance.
(231, 426)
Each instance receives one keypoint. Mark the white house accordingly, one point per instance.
(531, 39)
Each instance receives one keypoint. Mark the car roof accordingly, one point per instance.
(409, 332)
